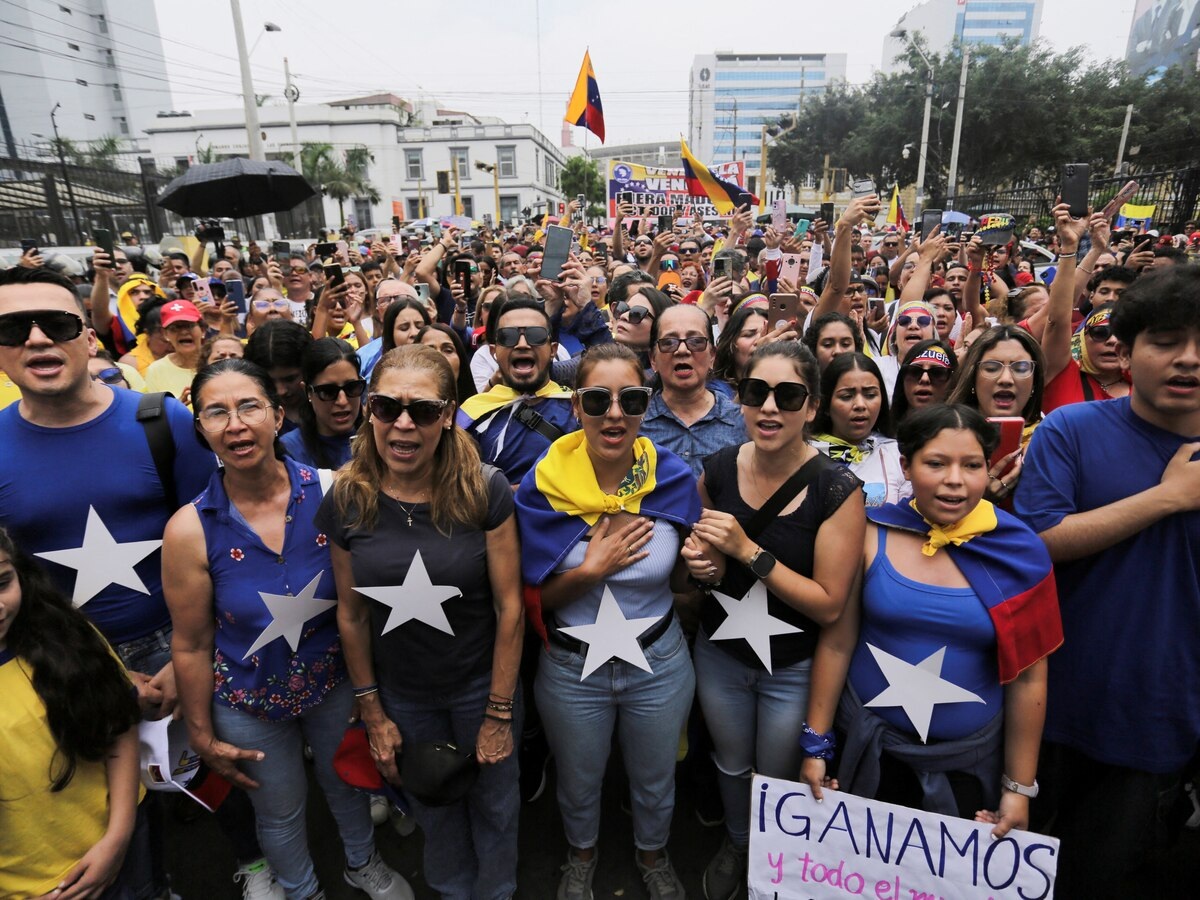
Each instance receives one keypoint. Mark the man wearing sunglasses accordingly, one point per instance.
(516, 419)
(300, 292)
(687, 416)
(82, 491)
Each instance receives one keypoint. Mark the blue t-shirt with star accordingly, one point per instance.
(87, 502)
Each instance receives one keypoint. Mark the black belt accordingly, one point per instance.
(569, 643)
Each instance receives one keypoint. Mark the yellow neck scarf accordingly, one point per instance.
(980, 520)
(844, 451)
(567, 479)
(501, 395)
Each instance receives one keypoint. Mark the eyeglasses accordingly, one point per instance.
(891, 244)
(264, 305)
(790, 396)
(329, 392)
(535, 335)
(216, 418)
(992, 368)
(599, 279)
(298, 270)
(422, 412)
(937, 375)
(685, 252)
(110, 376)
(856, 289)
(643, 241)
(597, 401)
(635, 314)
(1099, 333)
(694, 343)
(922, 321)
(55, 324)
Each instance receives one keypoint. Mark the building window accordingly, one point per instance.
(551, 173)
(74, 47)
(108, 59)
(103, 23)
(122, 125)
(468, 207)
(460, 156)
(414, 208)
(412, 164)
(506, 158)
(116, 92)
(362, 213)
(510, 207)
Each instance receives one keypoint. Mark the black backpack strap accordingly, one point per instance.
(1088, 393)
(151, 412)
(534, 420)
(787, 492)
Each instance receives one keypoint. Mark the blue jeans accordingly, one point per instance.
(279, 802)
(471, 845)
(579, 717)
(755, 720)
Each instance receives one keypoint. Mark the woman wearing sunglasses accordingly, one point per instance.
(854, 427)
(334, 390)
(780, 519)
(926, 377)
(258, 660)
(631, 318)
(1001, 377)
(425, 554)
(914, 323)
(942, 652)
(602, 516)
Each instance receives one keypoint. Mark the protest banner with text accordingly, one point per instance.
(660, 191)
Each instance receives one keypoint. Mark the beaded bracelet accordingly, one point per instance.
(366, 689)
(817, 746)
(500, 707)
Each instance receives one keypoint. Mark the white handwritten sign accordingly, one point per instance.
(851, 847)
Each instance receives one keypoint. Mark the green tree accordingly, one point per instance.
(339, 175)
(581, 176)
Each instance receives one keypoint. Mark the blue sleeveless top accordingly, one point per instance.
(276, 646)
(911, 621)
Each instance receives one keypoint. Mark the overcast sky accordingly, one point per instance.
(482, 57)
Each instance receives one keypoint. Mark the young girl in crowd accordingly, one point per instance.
(334, 389)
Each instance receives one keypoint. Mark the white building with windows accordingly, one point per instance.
(102, 61)
(943, 22)
(405, 158)
(732, 95)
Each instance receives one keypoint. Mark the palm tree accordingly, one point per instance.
(340, 178)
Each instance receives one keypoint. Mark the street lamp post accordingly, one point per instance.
(901, 34)
(774, 132)
(62, 161)
(951, 186)
(253, 131)
(494, 170)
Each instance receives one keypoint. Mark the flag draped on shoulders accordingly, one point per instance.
(584, 108)
(703, 182)
(1010, 571)
(501, 396)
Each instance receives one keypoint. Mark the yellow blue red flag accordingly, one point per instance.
(703, 182)
(584, 107)
(895, 214)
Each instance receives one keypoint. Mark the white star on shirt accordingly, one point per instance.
(418, 598)
(748, 619)
(289, 615)
(917, 689)
(101, 560)
(612, 636)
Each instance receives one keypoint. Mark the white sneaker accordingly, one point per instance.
(258, 882)
(379, 881)
(379, 809)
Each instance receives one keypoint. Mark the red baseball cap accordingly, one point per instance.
(180, 311)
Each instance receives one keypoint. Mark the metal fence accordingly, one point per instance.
(1174, 195)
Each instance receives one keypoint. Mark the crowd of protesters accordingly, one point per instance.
(492, 519)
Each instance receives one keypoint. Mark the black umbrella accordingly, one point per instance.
(235, 188)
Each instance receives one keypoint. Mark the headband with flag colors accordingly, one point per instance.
(702, 182)
(584, 107)
(895, 214)
(934, 355)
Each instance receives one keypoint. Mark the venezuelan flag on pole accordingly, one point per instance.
(896, 210)
(702, 182)
(584, 107)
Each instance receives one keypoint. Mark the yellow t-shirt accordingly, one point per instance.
(9, 392)
(141, 353)
(45, 834)
(164, 375)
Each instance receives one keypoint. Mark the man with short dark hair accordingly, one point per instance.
(1113, 489)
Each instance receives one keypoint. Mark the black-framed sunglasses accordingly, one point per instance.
(635, 314)
(790, 396)
(58, 325)
(422, 412)
(694, 342)
(597, 401)
(329, 392)
(510, 336)
(938, 375)
(1099, 333)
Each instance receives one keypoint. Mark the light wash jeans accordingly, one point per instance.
(279, 802)
(471, 845)
(648, 709)
(755, 720)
